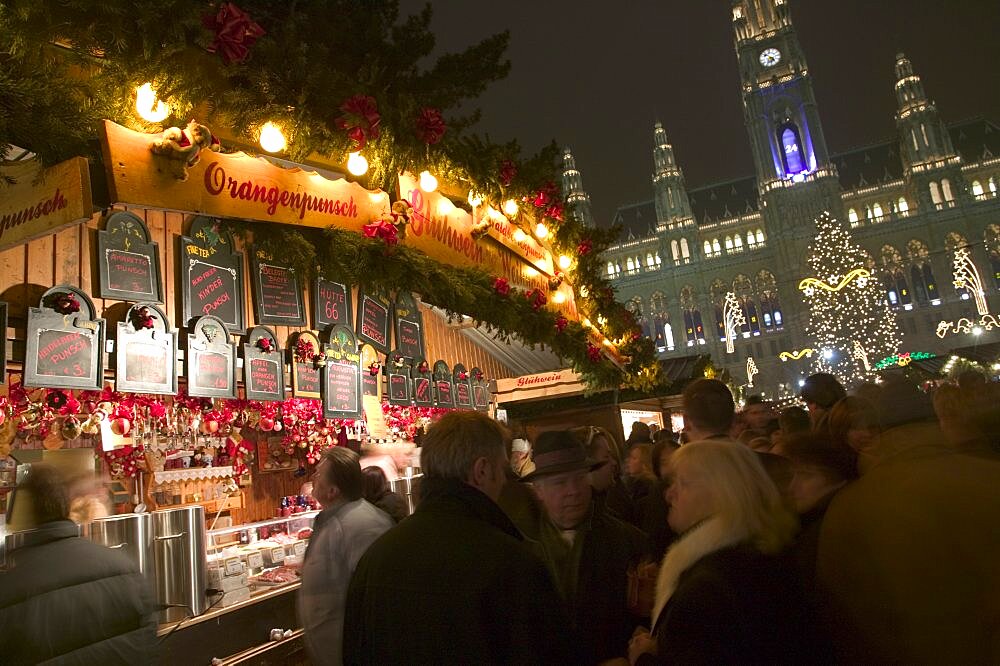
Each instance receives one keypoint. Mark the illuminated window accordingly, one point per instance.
(977, 188)
(611, 269)
(685, 251)
(852, 216)
(946, 188)
(629, 264)
(903, 206)
(750, 239)
(913, 134)
(716, 248)
(668, 336)
(737, 242)
(650, 262)
(791, 150)
(935, 192)
(675, 250)
(760, 237)
(656, 257)
(868, 212)
(877, 210)
(729, 243)
(923, 131)
(708, 249)
(993, 185)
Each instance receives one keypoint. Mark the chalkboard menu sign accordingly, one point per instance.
(371, 372)
(128, 262)
(444, 390)
(306, 379)
(423, 383)
(277, 292)
(373, 319)
(480, 390)
(211, 360)
(409, 325)
(146, 352)
(211, 275)
(331, 304)
(3, 346)
(463, 387)
(263, 366)
(342, 375)
(398, 382)
(65, 342)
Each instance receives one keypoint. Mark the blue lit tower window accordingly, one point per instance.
(792, 151)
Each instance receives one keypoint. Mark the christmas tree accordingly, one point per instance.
(850, 323)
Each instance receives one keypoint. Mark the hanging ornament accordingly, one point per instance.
(585, 247)
(508, 172)
(65, 303)
(70, 428)
(142, 318)
(121, 426)
(430, 126)
(593, 352)
(501, 286)
(561, 323)
(361, 119)
(234, 33)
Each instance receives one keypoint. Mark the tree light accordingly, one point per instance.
(148, 106)
(828, 354)
(558, 297)
(428, 183)
(510, 207)
(565, 262)
(977, 330)
(271, 138)
(357, 164)
(445, 206)
(475, 200)
(519, 236)
(541, 231)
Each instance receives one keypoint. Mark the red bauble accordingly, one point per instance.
(266, 423)
(121, 426)
(277, 426)
(210, 426)
(289, 420)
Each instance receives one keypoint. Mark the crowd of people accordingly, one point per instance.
(859, 529)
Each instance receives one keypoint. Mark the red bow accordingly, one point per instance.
(235, 33)
(537, 298)
(382, 229)
(561, 323)
(66, 303)
(430, 126)
(508, 171)
(501, 286)
(584, 247)
(594, 352)
(361, 119)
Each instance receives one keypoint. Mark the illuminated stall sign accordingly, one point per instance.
(342, 375)
(211, 360)
(146, 352)
(65, 342)
(263, 366)
(277, 292)
(211, 275)
(128, 261)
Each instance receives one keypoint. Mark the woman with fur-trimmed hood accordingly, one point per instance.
(724, 593)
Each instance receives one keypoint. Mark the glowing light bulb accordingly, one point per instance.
(357, 164)
(565, 262)
(428, 183)
(558, 297)
(445, 206)
(148, 106)
(271, 138)
(541, 231)
(510, 207)
(977, 330)
(586, 323)
(475, 200)
(519, 236)
(607, 343)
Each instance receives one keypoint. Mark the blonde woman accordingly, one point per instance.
(723, 594)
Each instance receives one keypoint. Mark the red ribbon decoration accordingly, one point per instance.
(501, 286)
(508, 171)
(430, 126)
(361, 119)
(383, 229)
(235, 32)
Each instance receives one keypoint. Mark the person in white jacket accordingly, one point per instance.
(342, 533)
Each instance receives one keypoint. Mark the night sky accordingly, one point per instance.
(595, 76)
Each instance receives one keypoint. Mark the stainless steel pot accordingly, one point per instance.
(130, 534)
(181, 568)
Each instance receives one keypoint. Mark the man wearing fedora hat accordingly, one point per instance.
(588, 552)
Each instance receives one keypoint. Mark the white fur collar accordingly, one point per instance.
(708, 537)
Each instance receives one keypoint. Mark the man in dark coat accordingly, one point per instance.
(454, 583)
(67, 600)
(588, 552)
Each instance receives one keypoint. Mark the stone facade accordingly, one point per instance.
(910, 203)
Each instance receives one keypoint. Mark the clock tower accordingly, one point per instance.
(779, 107)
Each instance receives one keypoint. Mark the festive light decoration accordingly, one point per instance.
(428, 183)
(357, 165)
(519, 235)
(965, 325)
(565, 262)
(967, 276)
(810, 285)
(796, 354)
(752, 370)
(510, 207)
(541, 231)
(475, 200)
(732, 314)
(903, 360)
(271, 138)
(847, 309)
(148, 106)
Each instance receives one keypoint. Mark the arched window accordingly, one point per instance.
(716, 248)
(685, 252)
(708, 249)
(852, 216)
(629, 264)
(992, 238)
(693, 327)
(751, 241)
(634, 305)
(993, 185)
(718, 291)
(946, 189)
(792, 153)
(977, 189)
(893, 277)
(770, 309)
(668, 336)
(611, 269)
(658, 303)
(760, 237)
(743, 289)
(729, 244)
(738, 243)
(868, 212)
(903, 206)
(877, 211)
(650, 262)
(656, 258)
(921, 276)
(675, 251)
(935, 193)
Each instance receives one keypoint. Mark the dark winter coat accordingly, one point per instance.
(393, 504)
(454, 584)
(70, 601)
(736, 606)
(598, 602)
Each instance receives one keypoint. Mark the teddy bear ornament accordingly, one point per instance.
(183, 147)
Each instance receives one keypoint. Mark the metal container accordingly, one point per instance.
(130, 534)
(11, 542)
(181, 569)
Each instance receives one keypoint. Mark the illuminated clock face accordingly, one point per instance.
(770, 57)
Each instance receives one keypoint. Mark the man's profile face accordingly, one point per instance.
(566, 497)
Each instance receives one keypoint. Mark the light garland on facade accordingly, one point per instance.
(967, 276)
(732, 313)
(965, 325)
(849, 318)
(796, 354)
(752, 371)
(903, 360)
